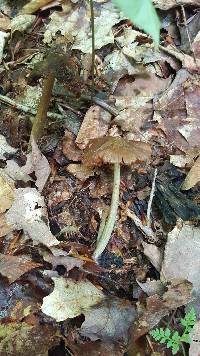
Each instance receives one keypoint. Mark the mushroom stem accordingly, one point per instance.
(41, 117)
(107, 231)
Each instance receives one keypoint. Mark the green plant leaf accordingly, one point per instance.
(175, 349)
(186, 338)
(143, 15)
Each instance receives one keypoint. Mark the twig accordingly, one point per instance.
(102, 103)
(147, 231)
(93, 45)
(151, 198)
(69, 123)
(188, 34)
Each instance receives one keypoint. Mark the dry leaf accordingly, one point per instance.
(95, 124)
(193, 177)
(182, 255)
(69, 148)
(154, 255)
(70, 299)
(195, 344)
(37, 162)
(28, 212)
(13, 267)
(4, 146)
(22, 22)
(166, 5)
(23, 339)
(4, 22)
(7, 188)
(67, 261)
(34, 5)
(80, 171)
(4, 227)
(110, 321)
(178, 294)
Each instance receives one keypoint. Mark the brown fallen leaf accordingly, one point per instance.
(24, 339)
(109, 321)
(178, 294)
(67, 261)
(193, 177)
(69, 148)
(95, 125)
(80, 171)
(4, 227)
(182, 255)
(166, 5)
(13, 267)
(37, 162)
(6, 191)
(34, 5)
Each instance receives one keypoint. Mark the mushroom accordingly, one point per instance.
(55, 65)
(116, 151)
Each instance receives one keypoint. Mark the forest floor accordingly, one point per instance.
(58, 295)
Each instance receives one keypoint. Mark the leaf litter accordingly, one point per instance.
(53, 295)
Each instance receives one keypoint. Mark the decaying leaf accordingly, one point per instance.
(80, 171)
(4, 227)
(182, 255)
(70, 150)
(34, 5)
(110, 321)
(95, 125)
(22, 22)
(70, 299)
(37, 162)
(193, 177)
(76, 23)
(67, 261)
(24, 339)
(166, 5)
(13, 267)
(6, 191)
(28, 212)
(178, 294)
(3, 38)
(4, 146)
(154, 254)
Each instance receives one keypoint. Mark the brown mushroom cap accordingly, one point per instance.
(115, 150)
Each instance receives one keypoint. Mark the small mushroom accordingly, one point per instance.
(55, 66)
(116, 151)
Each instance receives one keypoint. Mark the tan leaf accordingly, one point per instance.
(13, 267)
(34, 5)
(6, 191)
(80, 171)
(95, 125)
(193, 177)
(4, 227)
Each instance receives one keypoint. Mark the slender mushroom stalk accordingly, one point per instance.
(40, 120)
(113, 150)
(55, 65)
(107, 231)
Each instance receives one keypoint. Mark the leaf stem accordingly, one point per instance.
(107, 231)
